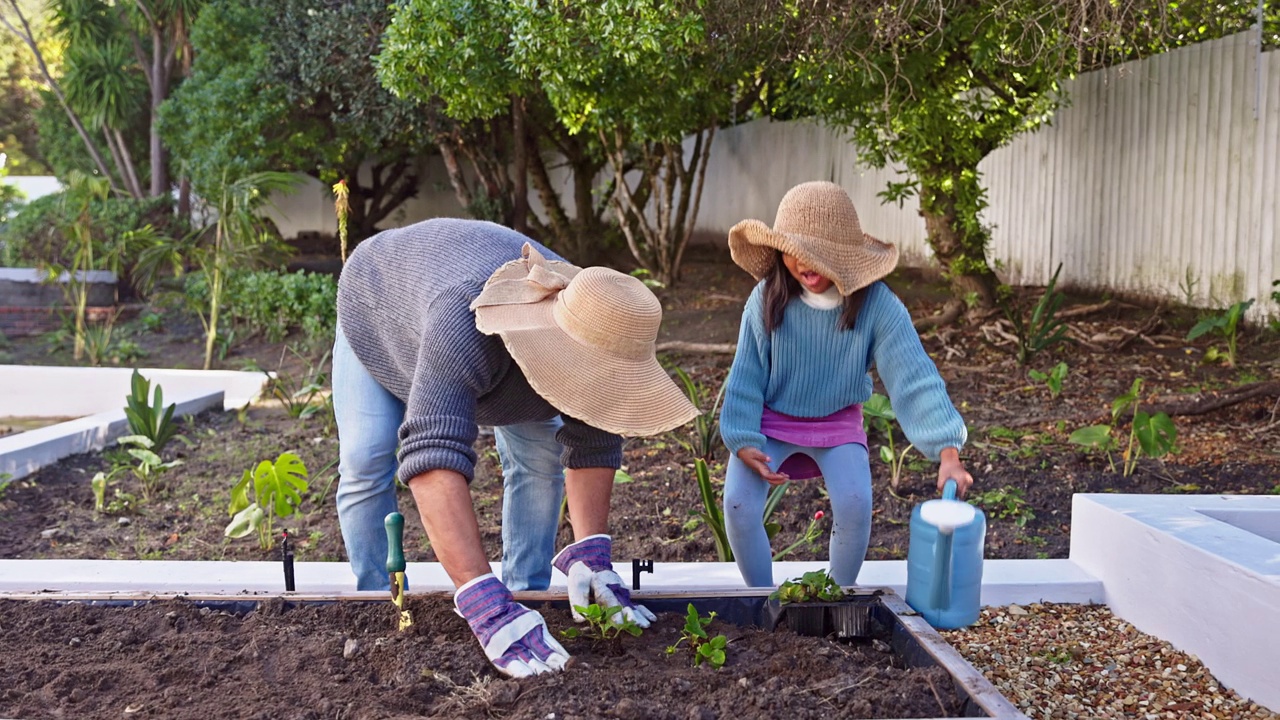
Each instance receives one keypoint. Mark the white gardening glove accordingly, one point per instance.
(588, 566)
(514, 638)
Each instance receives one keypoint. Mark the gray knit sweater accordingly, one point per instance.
(403, 304)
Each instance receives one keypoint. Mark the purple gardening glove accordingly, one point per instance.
(588, 566)
(514, 638)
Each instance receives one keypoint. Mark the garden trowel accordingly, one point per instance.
(396, 565)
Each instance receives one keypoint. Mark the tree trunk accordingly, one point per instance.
(520, 180)
(159, 90)
(959, 243)
(29, 40)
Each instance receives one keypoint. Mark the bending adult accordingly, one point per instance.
(448, 324)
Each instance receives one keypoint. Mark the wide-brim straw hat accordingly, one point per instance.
(584, 339)
(817, 223)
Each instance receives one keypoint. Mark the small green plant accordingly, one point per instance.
(604, 624)
(1152, 435)
(705, 648)
(126, 352)
(712, 515)
(877, 412)
(1006, 503)
(1043, 329)
(1052, 379)
(96, 339)
(149, 417)
(647, 278)
(277, 491)
(814, 586)
(152, 322)
(1275, 298)
(149, 466)
(303, 395)
(1226, 324)
(705, 428)
(810, 537)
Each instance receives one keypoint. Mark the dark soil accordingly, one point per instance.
(173, 659)
(1018, 451)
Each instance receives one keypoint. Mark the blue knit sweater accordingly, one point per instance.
(811, 368)
(404, 306)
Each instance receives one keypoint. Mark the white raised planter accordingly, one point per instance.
(96, 398)
(1200, 571)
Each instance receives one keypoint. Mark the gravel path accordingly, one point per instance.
(1080, 661)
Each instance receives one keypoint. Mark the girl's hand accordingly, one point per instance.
(755, 459)
(952, 468)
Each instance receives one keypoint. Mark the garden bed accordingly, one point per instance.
(181, 659)
(1026, 468)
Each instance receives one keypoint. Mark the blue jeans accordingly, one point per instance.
(369, 419)
(847, 474)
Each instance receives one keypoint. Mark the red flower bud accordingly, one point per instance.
(819, 515)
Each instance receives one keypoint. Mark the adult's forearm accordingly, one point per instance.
(589, 491)
(444, 503)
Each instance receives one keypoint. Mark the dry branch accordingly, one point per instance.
(688, 348)
(1218, 400)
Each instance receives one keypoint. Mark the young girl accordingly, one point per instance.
(793, 402)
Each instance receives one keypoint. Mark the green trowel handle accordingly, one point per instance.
(395, 542)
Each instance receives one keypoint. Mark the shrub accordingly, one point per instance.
(274, 303)
(35, 235)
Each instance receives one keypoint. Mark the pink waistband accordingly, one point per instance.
(838, 428)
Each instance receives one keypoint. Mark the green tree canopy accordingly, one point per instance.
(289, 86)
(623, 81)
(934, 86)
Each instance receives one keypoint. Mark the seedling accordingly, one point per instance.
(705, 429)
(150, 418)
(277, 489)
(1052, 379)
(149, 465)
(1006, 503)
(1043, 329)
(604, 625)
(1151, 435)
(1226, 324)
(815, 586)
(712, 515)
(810, 537)
(705, 648)
(879, 414)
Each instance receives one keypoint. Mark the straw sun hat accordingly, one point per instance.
(817, 223)
(585, 341)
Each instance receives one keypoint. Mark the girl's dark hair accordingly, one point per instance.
(780, 287)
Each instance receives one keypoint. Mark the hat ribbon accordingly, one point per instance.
(540, 283)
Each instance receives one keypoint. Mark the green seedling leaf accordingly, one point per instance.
(1093, 436)
(878, 406)
(1157, 435)
(886, 454)
(245, 522)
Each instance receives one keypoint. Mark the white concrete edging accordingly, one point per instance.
(96, 397)
(27, 452)
(1200, 571)
(1004, 581)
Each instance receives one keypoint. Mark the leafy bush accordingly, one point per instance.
(36, 237)
(274, 303)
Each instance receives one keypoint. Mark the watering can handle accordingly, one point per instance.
(949, 489)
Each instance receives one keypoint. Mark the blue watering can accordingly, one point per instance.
(944, 560)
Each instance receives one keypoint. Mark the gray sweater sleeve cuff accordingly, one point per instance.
(437, 443)
(588, 447)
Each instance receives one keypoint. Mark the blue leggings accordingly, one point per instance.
(847, 474)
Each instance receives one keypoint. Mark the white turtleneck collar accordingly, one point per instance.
(826, 300)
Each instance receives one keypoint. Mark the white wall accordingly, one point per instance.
(1200, 571)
